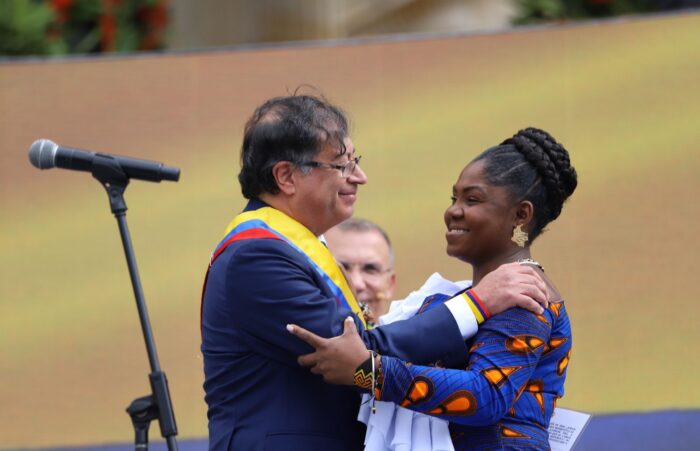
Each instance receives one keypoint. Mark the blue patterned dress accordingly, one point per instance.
(505, 397)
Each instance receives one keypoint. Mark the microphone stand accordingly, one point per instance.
(109, 173)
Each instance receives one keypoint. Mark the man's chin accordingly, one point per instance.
(346, 212)
(363, 300)
(347, 201)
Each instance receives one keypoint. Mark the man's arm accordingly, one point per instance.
(510, 285)
(429, 338)
(270, 285)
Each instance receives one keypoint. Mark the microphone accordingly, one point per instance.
(46, 154)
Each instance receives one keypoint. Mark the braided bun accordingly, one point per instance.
(533, 166)
(551, 161)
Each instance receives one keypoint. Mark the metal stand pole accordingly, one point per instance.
(157, 405)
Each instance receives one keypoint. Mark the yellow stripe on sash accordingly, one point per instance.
(307, 242)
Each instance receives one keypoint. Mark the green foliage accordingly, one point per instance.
(537, 11)
(47, 27)
(24, 25)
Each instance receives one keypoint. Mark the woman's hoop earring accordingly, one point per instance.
(519, 237)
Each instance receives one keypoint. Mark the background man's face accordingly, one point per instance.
(365, 257)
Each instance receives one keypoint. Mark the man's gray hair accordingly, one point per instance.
(365, 225)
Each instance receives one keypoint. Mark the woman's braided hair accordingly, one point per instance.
(534, 167)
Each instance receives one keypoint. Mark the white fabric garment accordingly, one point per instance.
(393, 428)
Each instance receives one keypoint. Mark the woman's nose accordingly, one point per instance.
(453, 211)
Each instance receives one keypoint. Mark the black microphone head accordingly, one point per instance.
(170, 173)
(42, 154)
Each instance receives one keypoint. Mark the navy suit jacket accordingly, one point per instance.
(259, 398)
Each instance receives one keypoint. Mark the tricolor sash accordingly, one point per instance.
(269, 223)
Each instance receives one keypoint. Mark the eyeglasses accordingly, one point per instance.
(345, 169)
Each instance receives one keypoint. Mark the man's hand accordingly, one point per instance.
(336, 359)
(513, 285)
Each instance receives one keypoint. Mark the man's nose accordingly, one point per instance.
(358, 282)
(358, 176)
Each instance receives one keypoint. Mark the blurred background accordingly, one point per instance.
(60, 27)
(427, 85)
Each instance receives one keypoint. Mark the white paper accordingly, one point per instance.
(565, 428)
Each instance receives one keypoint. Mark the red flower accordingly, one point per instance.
(108, 25)
(61, 8)
(156, 19)
(61, 5)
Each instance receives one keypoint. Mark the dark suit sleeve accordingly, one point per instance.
(273, 286)
(428, 338)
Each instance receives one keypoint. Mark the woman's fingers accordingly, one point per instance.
(349, 327)
(308, 359)
(334, 358)
(309, 337)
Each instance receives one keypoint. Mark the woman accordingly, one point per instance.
(505, 397)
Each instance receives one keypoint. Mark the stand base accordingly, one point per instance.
(142, 411)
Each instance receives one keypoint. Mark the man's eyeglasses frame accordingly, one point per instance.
(346, 170)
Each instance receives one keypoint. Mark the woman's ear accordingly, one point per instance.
(524, 213)
(283, 172)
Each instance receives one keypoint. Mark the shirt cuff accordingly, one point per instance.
(466, 321)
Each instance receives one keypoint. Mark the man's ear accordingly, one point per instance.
(392, 285)
(524, 213)
(283, 172)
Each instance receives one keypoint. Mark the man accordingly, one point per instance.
(364, 251)
(301, 175)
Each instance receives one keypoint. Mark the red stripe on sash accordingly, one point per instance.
(255, 233)
(244, 235)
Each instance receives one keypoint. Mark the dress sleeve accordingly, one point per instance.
(502, 358)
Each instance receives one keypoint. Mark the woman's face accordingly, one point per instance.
(481, 218)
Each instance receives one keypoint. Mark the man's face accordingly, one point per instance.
(365, 257)
(324, 197)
